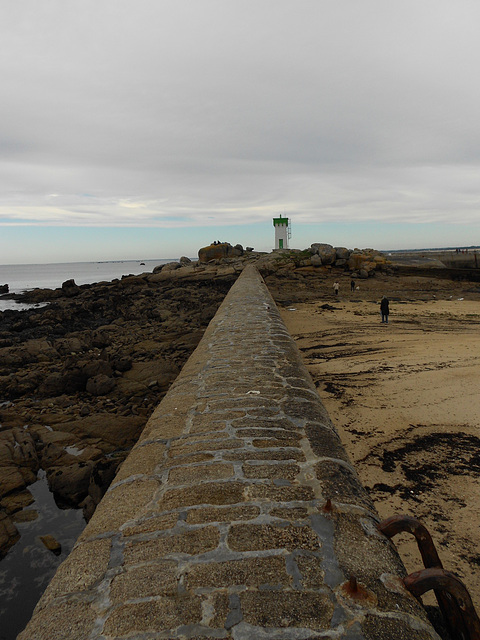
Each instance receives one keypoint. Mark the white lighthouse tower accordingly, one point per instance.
(282, 232)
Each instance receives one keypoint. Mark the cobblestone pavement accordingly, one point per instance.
(237, 515)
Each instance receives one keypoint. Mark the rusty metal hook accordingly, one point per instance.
(446, 581)
(451, 610)
(396, 524)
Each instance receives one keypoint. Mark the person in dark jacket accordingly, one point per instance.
(384, 309)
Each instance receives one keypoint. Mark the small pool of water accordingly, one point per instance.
(28, 567)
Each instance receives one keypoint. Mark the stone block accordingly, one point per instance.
(271, 471)
(208, 493)
(271, 493)
(221, 514)
(141, 582)
(287, 609)
(191, 542)
(273, 443)
(85, 566)
(290, 513)
(181, 449)
(274, 454)
(248, 572)
(375, 627)
(325, 441)
(120, 504)
(310, 568)
(159, 615)
(72, 620)
(201, 473)
(141, 460)
(261, 537)
(151, 524)
(341, 484)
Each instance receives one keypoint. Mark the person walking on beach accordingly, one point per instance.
(352, 285)
(384, 309)
(336, 287)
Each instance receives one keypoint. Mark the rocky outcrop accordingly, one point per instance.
(80, 377)
(4, 288)
(219, 251)
(362, 263)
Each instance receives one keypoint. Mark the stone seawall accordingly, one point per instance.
(237, 514)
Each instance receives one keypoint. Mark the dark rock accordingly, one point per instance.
(100, 385)
(184, 261)
(122, 363)
(70, 484)
(70, 289)
(52, 544)
(3, 288)
(8, 533)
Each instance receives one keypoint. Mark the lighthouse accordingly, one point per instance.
(282, 232)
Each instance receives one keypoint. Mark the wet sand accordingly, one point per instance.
(405, 400)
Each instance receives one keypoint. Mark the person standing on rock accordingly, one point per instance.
(336, 287)
(384, 309)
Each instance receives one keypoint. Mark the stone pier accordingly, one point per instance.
(237, 514)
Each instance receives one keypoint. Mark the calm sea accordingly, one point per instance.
(21, 277)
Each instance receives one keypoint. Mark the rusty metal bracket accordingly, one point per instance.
(448, 583)
(452, 612)
(396, 524)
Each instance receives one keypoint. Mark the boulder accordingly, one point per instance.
(3, 288)
(342, 253)
(219, 251)
(70, 288)
(184, 261)
(326, 252)
(119, 431)
(96, 367)
(316, 260)
(52, 544)
(70, 484)
(170, 266)
(100, 385)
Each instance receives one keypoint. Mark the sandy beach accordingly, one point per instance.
(404, 398)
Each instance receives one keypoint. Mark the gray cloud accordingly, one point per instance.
(158, 112)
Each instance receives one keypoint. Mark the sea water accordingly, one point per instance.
(28, 567)
(23, 277)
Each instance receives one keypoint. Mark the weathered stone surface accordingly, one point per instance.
(72, 620)
(245, 537)
(287, 609)
(130, 620)
(142, 582)
(191, 542)
(249, 572)
(221, 514)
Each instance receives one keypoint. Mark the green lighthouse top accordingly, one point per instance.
(279, 221)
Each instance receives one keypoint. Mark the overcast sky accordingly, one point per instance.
(151, 127)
